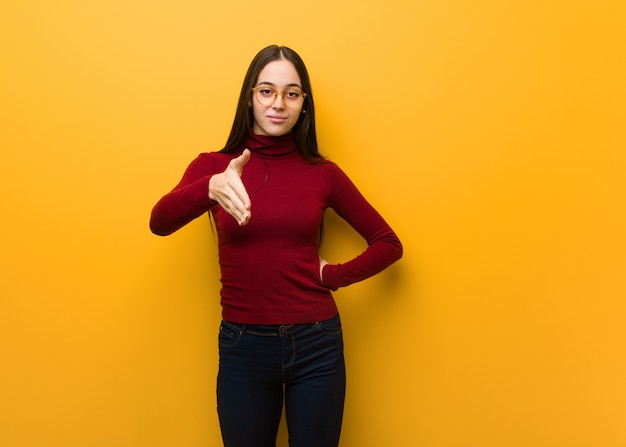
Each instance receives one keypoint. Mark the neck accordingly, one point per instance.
(270, 145)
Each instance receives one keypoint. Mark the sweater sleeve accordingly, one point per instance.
(187, 201)
(383, 245)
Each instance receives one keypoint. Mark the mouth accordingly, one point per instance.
(276, 119)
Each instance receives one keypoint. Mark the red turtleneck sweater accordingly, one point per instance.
(270, 267)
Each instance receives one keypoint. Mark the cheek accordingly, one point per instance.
(257, 111)
(295, 117)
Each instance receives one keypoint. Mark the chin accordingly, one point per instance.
(273, 131)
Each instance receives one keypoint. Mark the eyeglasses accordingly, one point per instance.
(266, 95)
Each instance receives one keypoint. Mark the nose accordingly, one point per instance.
(279, 101)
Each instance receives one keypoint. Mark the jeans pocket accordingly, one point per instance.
(229, 334)
(331, 326)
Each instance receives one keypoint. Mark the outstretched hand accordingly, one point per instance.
(227, 189)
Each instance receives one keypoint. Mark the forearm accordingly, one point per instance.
(383, 252)
(181, 206)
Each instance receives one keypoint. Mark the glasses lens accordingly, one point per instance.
(293, 97)
(265, 95)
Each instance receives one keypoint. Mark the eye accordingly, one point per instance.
(292, 94)
(266, 92)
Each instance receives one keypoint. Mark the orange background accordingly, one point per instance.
(490, 134)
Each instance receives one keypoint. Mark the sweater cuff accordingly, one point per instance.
(330, 274)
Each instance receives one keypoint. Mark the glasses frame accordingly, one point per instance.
(276, 93)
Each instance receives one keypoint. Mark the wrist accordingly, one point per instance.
(210, 189)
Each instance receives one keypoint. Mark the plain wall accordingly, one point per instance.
(488, 133)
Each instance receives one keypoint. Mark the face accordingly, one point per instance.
(278, 117)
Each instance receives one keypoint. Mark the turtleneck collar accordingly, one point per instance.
(271, 146)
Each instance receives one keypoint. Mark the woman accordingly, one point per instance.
(280, 339)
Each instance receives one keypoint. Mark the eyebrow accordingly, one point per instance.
(274, 85)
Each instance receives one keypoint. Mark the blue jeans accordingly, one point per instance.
(263, 365)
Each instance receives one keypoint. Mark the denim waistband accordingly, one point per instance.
(270, 329)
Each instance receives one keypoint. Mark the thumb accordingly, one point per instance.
(239, 162)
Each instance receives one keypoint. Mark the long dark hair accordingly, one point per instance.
(304, 130)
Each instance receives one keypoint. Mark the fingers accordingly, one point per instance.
(234, 199)
(228, 190)
(323, 263)
(239, 199)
